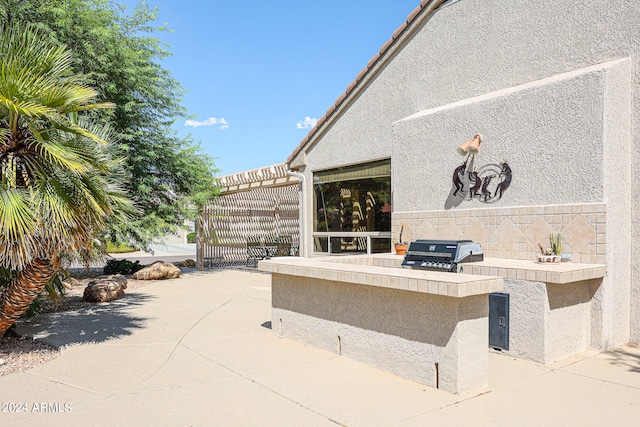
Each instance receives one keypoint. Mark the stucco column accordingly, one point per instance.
(612, 303)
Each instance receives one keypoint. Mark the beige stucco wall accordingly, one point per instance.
(553, 87)
(551, 131)
(549, 321)
(403, 332)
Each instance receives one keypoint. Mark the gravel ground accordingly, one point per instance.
(19, 354)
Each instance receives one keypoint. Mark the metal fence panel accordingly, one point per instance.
(225, 225)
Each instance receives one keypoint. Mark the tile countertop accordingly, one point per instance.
(422, 281)
(560, 273)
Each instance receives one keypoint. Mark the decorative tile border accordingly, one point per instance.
(515, 232)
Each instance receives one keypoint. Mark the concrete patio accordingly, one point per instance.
(198, 351)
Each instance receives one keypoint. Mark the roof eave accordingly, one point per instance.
(418, 15)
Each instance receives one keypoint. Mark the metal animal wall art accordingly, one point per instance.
(486, 183)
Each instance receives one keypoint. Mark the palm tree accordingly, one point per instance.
(57, 181)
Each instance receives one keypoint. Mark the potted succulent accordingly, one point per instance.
(552, 253)
(400, 245)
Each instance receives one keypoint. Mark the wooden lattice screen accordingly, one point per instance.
(225, 224)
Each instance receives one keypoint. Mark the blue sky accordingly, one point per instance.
(257, 73)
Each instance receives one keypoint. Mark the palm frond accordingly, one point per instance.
(18, 226)
(54, 152)
(58, 189)
(27, 108)
(16, 213)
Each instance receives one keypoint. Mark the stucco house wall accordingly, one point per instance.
(553, 87)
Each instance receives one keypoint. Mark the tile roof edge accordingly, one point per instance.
(424, 5)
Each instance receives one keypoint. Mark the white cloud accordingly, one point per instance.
(307, 123)
(211, 121)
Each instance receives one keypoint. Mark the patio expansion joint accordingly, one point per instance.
(489, 389)
(266, 387)
(439, 408)
(178, 345)
(563, 367)
(97, 393)
(560, 367)
(598, 379)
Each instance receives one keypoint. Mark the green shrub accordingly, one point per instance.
(191, 237)
(122, 266)
(120, 248)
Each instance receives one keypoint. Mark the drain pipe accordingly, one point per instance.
(303, 206)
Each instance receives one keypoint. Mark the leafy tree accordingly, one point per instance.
(120, 56)
(58, 183)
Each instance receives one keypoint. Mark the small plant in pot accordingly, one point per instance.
(551, 253)
(400, 245)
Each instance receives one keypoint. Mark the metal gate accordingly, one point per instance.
(226, 224)
(499, 320)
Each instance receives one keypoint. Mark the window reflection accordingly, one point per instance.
(353, 199)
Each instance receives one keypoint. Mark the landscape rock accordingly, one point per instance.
(105, 288)
(70, 282)
(187, 263)
(157, 271)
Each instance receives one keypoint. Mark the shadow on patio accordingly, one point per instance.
(627, 359)
(97, 323)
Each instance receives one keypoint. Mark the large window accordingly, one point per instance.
(352, 208)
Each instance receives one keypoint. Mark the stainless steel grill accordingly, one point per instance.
(442, 255)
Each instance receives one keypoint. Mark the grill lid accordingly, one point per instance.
(442, 255)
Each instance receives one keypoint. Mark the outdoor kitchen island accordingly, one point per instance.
(427, 326)
(551, 314)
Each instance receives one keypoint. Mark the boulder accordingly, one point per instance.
(70, 283)
(187, 263)
(157, 271)
(105, 288)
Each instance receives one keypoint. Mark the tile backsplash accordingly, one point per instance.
(515, 232)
